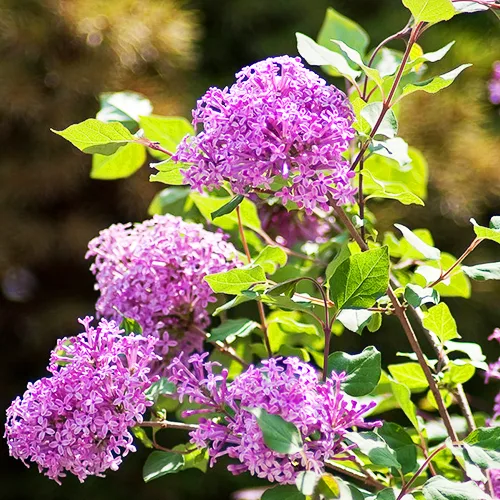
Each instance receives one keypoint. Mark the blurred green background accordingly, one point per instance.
(56, 56)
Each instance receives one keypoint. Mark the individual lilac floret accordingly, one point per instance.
(78, 419)
(494, 84)
(279, 120)
(288, 387)
(153, 272)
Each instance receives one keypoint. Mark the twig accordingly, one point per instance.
(260, 306)
(167, 424)
(355, 475)
(386, 105)
(469, 249)
(421, 469)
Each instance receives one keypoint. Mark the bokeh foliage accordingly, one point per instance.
(58, 56)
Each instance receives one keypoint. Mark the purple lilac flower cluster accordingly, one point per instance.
(153, 272)
(288, 387)
(78, 419)
(279, 121)
(494, 84)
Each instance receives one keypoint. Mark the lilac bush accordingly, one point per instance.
(279, 159)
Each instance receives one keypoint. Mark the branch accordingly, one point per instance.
(355, 475)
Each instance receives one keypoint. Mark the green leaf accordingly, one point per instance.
(270, 258)
(440, 488)
(356, 58)
(130, 325)
(142, 436)
(160, 463)
(362, 371)
(389, 125)
(395, 149)
(231, 329)
(287, 288)
(399, 193)
(169, 173)
(474, 351)
(485, 437)
(361, 279)
(306, 482)
(123, 107)
(355, 320)
(483, 272)
(236, 280)
(429, 252)
(416, 295)
(434, 85)
(385, 175)
(375, 322)
(96, 137)
(464, 7)
(375, 448)
(210, 204)
(328, 487)
(338, 27)
(440, 321)
(316, 55)
(283, 492)
(401, 442)
(387, 494)
(431, 56)
(279, 435)
(169, 200)
(343, 254)
(228, 207)
(488, 233)
(122, 163)
(411, 375)
(403, 397)
(460, 371)
(166, 130)
(159, 388)
(483, 458)
(430, 11)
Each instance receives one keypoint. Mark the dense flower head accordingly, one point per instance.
(279, 121)
(77, 420)
(494, 84)
(287, 387)
(154, 273)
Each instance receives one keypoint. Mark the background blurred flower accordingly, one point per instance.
(153, 272)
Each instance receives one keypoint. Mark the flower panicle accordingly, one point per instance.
(278, 121)
(287, 387)
(77, 420)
